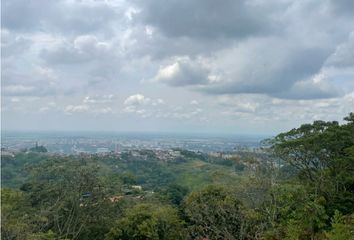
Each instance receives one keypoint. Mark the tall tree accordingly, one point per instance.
(148, 221)
(214, 213)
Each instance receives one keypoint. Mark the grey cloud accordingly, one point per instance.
(84, 48)
(56, 15)
(12, 45)
(276, 62)
(87, 61)
(264, 108)
(310, 90)
(204, 18)
(159, 46)
(26, 15)
(343, 56)
(343, 6)
(35, 81)
(268, 66)
(28, 90)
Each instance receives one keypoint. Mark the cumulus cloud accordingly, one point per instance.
(85, 108)
(147, 107)
(97, 104)
(183, 72)
(262, 109)
(76, 109)
(83, 48)
(136, 100)
(97, 99)
(142, 105)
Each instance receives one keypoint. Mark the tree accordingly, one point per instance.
(50, 235)
(339, 230)
(69, 195)
(15, 223)
(174, 193)
(148, 221)
(323, 154)
(294, 213)
(214, 213)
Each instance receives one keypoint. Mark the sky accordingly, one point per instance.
(228, 66)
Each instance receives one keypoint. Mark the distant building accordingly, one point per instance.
(137, 187)
(115, 198)
(7, 152)
(117, 149)
(102, 150)
(215, 154)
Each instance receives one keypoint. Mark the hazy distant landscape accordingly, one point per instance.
(93, 142)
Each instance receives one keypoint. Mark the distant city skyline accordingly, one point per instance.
(89, 142)
(215, 67)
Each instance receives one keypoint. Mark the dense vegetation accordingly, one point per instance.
(300, 186)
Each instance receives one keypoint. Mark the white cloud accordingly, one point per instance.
(107, 98)
(17, 89)
(76, 109)
(137, 99)
(104, 110)
(183, 72)
(44, 72)
(44, 109)
(15, 100)
(142, 105)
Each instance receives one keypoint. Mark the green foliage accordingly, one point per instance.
(293, 230)
(15, 223)
(174, 193)
(339, 230)
(128, 178)
(14, 172)
(69, 195)
(50, 235)
(214, 213)
(148, 221)
(297, 213)
(322, 156)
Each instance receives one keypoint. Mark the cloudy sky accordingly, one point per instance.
(228, 66)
